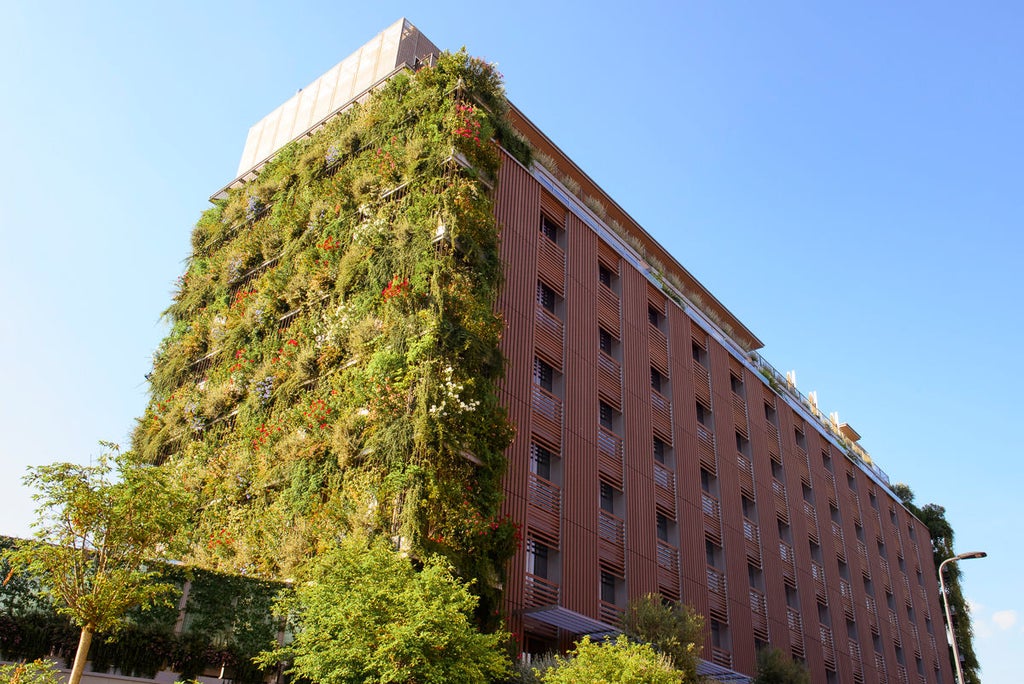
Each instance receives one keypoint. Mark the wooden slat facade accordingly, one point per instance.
(751, 492)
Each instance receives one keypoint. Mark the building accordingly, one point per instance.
(655, 450)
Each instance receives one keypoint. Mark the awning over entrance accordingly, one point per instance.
(577, 623)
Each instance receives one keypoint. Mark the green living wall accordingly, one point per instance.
(333, 354)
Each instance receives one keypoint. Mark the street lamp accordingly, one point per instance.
(945, 600)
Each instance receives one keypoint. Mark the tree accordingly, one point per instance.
(775, 667)
(941, 533)
(673, 629)
(36, 672)
(613, 662)
(98, 529)
(366, 614)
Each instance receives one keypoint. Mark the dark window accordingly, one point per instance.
(749, 509)
(607, 497)
(549, 229)
(656, 379)
(608, 582)
(659, 450)
(742, 444)
(703, 415)
(654, 316)
(537, 557)
(736, 383)
(801, 440)
(604, 275)
(605, 415)
(771, 415)
(546, 297)
(604, 340)
(700, 355)
(540, 461)
(543, 375)
(662, 525)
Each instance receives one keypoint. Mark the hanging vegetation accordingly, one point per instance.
(333, 354)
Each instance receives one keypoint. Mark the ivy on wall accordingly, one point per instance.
(227, 622)
(333, 354)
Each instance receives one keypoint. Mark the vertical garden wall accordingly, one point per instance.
(333, 354)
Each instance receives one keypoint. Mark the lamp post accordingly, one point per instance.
(945, 601)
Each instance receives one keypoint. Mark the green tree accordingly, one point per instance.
(366, 614)
(673, 629)
(775, 667)
(613, 662)
(941, 532)
(98, 528)
(36, 672)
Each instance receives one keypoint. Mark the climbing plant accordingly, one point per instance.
(333, 350)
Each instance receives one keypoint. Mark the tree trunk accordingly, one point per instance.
(83, 652)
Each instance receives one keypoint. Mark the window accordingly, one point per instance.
(604, 341)
(608, 498)
(801, 440)
(708, 482)
(609, 587)
(777, 470)
(537, 558)
(826, 460)
(540, 461)
(703, 415)
(659, 450)
(606, 415)
(713, 554)
(549, 229)
(604, 275)
(742, 445)
(749, 507)
(546, 297)
(656, 379)
(543, 375)
(653, 316)
(700, 355)
(661, 523)
(771, 415)
(736, 383)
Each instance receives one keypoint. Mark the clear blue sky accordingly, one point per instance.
(846, 179)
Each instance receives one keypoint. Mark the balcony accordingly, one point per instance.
(539, 592)
(658, 344)
(712, 517)
(796, 631)
(661, 414)
(611, 546)
(609, 456)
(720, 656)
(853, 648)
(701, 382)
(706, 449)
(839, 541)
(664, 489)
(547, 415)
(872, 607)
(752, 542)
(545, 512)
(668, 568)
(830, 488)
(746, 473)
(781, 500)
(846, 593)
(718, 603)
(862, 554)
(551, 263)
(828, 647)
(549, 337)
(759, 614)
(883, 674)
(609, 379)
(886, 574)
(739, 413)
(894, 627)
(609, 613)
(818, 575)
(788, 564)
(608, 309)
(812, 521)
